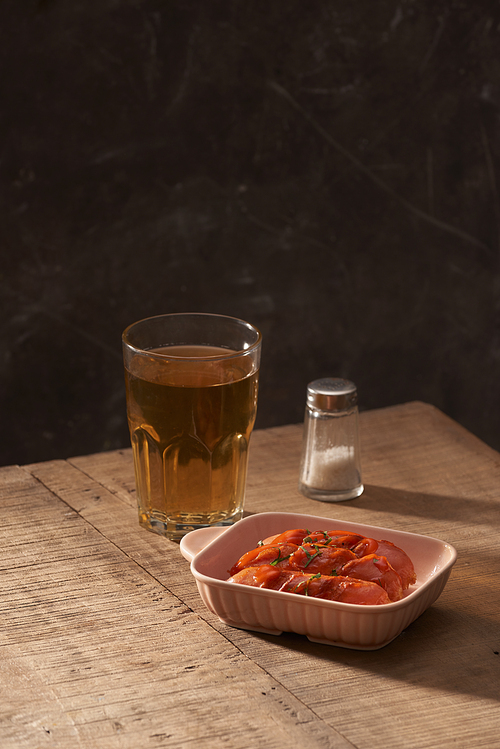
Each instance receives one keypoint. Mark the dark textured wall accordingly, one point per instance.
(326, 170)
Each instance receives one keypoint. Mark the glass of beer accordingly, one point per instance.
(191, 382)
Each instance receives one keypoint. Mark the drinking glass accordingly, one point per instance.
(191, 382)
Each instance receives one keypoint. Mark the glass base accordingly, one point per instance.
(176, 530)
(330, 496)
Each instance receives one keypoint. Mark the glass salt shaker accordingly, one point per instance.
(330, 468)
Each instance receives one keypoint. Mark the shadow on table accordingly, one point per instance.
(471, 509)
(455, 645)
(416, 657)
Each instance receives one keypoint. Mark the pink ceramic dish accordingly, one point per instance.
(212, 551)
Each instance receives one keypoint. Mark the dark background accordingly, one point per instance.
(326, 170)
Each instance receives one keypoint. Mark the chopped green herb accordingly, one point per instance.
(305, 552)
(296, 589)
(313, 577)
(279, 558)
(309, 556)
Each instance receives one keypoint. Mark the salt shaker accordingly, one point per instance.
(330, 468)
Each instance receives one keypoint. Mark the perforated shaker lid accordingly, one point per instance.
(332, 394)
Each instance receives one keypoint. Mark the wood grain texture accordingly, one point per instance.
(105, 641)
(96, 651)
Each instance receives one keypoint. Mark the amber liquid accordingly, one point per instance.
(190, 422)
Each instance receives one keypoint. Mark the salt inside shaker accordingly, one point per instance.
(330, 468)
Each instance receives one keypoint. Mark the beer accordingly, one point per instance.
(191, 411)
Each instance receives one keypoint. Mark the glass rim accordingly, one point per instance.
(232, 354)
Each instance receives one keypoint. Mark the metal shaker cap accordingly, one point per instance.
(332, 394)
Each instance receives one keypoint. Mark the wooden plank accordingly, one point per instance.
(97, 652)
(439, 682)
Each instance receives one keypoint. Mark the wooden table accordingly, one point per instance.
(106, 643)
